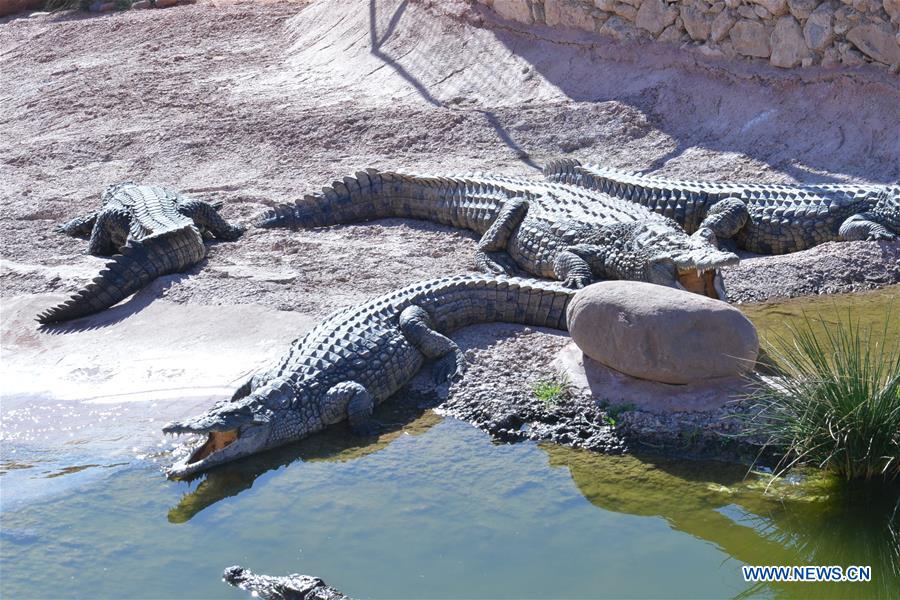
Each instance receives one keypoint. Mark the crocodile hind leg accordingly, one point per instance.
(109, 233)
(79, 226)
(207, 218)
(723, 221)
(360, 405)
(497, 236)
(863, 226)
(416, 325)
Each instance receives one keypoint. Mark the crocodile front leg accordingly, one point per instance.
(416, 325)
(110, 232)
(79, 226)
(863, 226)
(497, 236)
(359, 403)
(207, 218)
(723, 221)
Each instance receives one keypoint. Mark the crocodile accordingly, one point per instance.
(760, 218)
(289, 587)
(359, 356)
(548, 230)
(150, 231)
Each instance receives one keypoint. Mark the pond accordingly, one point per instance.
(433, 509)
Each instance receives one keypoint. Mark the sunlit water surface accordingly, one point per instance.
(431, 509)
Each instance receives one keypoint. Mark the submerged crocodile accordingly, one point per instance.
(360, 356)
(761, 218)
(549, 230)
(289, 587)
(155, 230)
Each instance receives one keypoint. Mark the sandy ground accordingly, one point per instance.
(257, 103)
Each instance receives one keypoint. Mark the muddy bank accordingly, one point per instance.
(832, 268)
(497, 394)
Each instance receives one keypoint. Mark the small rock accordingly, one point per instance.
(654, 16)
(750, 38)
(831, 57)
(565, 14)
(892, 8)
(721, 25)
(747, 12)
(515, 10)
(660, 333)
(877, 41)
(762, 13)
(618, 29)
(788, 45)
(673, 33)
(697, 24)
(818, 31)
(851, 57)
(625, 11)
(776, 7)
(801, 9)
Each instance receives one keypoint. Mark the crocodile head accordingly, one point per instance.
(240, 427)
(662, 253)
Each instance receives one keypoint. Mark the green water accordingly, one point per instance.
(434, 509)
(877, 311)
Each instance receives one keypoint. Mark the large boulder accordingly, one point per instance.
(660, 333)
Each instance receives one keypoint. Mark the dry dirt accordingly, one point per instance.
(256, 103)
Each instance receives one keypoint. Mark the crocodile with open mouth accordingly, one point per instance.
(358, 357)
(549, 230)
(761, 218)
(150, 231)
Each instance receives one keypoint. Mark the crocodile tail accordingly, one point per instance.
(344, 201)
(561, 170)
(139, 263)
(279, 216)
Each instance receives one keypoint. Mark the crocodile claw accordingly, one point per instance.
(448, 369)
(576, 282)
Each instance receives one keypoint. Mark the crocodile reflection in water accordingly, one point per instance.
(335, 444)
(816, 522)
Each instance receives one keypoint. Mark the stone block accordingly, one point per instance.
(654, 16)
(750, 38)
(787, 43)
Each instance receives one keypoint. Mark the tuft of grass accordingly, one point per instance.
(835, 403)
(613, 411)
(551, 391)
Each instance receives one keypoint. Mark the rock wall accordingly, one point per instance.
(787, 33)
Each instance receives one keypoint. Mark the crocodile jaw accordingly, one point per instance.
(219, 446)
(706, 283)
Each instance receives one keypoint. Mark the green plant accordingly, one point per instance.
(551, 390)
(836, 403)
(613, 411)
